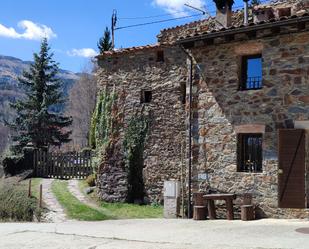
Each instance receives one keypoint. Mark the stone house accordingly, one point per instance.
(232, 99)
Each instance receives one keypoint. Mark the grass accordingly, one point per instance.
(15, 205)
(125, 210)
(73, 207)
(132, 211)
(79, 211)
(35, 186)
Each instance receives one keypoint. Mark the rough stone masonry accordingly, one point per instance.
(135, 73)
(220, 110)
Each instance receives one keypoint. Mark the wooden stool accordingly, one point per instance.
(247, 212)
(198, 199)
(199, 213)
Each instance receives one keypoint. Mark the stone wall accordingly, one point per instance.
(138, 70)
(221, 107)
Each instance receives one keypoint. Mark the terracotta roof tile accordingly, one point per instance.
(273, 20)
(209, 25)
(130, 50)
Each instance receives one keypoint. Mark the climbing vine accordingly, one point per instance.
(134, 141)
(101, 121)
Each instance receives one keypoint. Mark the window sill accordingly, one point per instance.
(252, 173)
(246, 90)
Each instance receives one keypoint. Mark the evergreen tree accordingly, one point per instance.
(35, 121)
(255, 2)
(105, 43)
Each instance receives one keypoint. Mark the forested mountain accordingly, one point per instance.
(10, 69)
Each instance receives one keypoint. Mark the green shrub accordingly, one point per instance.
(15, 205)
(15, 164)
(91, 180)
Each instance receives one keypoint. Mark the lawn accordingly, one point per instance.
(79, 211)
(73, 207)
(125, 210)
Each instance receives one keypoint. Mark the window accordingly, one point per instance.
(251, 72)
(250, 152)
(160, 56)
(146, 96)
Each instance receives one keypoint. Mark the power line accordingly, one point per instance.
(149, 17)
(160, 21)
(171, 19)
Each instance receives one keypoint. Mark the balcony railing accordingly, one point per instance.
(253, 83)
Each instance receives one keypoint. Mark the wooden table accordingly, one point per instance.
(228, 198)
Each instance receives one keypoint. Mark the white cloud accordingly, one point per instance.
(83, 52)
(176, 6)
(32, 31)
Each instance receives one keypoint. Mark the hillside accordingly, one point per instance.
(10, 69)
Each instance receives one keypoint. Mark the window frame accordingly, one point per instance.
(244, 72)
(242, 148)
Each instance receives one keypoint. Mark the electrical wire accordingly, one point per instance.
(149, 17)
(160, 21)
(171, 19)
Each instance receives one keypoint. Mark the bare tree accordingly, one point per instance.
(82, 97)
(4, 138)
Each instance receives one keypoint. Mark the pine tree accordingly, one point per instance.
(255, 2)
(105, 43)
(35, 121)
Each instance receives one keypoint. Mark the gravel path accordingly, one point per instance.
(55, 212)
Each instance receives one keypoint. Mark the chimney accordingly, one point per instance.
(224, 12)
(246, 14)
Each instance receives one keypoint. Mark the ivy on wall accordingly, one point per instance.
(104, 137)
(134, 143)
(101, 121)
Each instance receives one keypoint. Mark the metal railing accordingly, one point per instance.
(253, 83)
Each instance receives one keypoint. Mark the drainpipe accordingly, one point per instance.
(190, 132)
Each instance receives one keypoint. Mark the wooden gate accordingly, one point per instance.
(291, 172)
(62, 165)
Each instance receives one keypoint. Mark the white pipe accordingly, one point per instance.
(245, 12)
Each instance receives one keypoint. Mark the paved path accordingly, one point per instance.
(75, 190)
(56, 212)
(156, 234)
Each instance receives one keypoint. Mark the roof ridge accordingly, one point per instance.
(133, 49)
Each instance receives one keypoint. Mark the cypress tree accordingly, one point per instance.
(105, 43)
(35, 121)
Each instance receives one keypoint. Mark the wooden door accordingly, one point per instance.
(291, 172)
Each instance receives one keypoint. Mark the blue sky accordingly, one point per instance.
(74, 26)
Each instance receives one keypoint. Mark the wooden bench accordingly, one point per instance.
(228, 198)
(247, 209)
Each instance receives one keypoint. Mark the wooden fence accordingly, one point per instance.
(62, 165)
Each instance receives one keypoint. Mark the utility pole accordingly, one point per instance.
(114, 22)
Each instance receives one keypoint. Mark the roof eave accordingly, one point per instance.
(243, 29)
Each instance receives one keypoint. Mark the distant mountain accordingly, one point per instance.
(10, 69)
